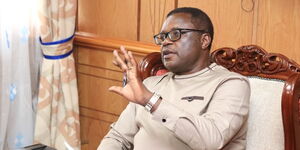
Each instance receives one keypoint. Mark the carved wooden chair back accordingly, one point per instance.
(274, 116)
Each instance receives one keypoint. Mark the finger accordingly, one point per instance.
(125, 52)
(115, 63)
(132, 59)
(116, 89)
(119, 62)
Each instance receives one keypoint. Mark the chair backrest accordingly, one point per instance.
(274, 116)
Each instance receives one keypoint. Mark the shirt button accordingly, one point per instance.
(163, 120)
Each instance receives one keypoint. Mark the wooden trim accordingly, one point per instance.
(138, 20)
(249, 60)
(255, 21)
(290, 112)
(92, 41)
(150, 65)
(252, 60)
(97, 114)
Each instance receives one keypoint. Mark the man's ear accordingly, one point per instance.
(205, 40)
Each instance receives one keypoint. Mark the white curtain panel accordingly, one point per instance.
(20, 58)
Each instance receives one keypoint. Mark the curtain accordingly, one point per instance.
(19, 67)
(57, 120)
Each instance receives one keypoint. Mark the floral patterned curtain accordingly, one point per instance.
(57, 121)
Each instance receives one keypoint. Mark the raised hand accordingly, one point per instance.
(134, 90)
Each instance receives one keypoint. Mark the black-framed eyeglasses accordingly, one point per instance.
(173, 35)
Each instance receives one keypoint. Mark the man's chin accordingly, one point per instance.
(170, 66)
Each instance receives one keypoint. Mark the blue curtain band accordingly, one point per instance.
(57, 42)
(58, 56)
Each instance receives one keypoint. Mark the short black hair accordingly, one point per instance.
(199, 18)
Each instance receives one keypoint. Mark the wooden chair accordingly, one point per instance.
(274, 116)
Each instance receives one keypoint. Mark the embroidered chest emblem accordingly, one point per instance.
(191, 98)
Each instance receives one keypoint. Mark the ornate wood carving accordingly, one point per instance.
(252, 60)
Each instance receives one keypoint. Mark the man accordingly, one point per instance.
(197, 105)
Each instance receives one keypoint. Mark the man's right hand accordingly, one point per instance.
(134, 90)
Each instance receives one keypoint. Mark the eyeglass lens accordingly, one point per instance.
(172, 35)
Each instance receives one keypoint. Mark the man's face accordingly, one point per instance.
(184, 55)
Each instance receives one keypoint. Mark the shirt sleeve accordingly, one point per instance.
(121, 134)
(225, 115)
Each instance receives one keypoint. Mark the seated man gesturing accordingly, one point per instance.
(197, 105)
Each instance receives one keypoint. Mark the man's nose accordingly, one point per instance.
(167, 41)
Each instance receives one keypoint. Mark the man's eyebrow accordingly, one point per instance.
(174, 28)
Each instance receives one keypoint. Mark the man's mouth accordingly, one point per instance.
(167, 54)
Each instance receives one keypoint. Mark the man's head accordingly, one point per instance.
(185, 40)
(199, 18)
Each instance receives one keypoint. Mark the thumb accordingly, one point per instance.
(116, 89)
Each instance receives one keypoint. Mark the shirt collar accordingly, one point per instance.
(194, 74)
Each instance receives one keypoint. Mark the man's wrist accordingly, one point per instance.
(156, 105)
(152, 101)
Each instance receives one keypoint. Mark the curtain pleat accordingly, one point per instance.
(57, 120)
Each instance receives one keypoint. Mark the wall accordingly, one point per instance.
(271, 24)
(96, 73)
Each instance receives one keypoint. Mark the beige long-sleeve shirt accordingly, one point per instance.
(204, 110)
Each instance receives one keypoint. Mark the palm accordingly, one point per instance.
(134, 90)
